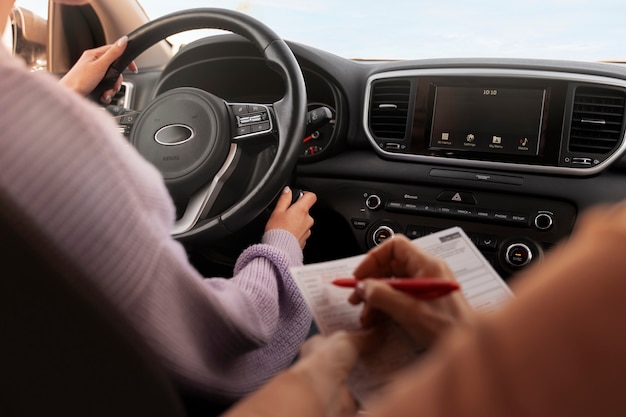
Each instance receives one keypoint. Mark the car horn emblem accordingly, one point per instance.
(174, 135)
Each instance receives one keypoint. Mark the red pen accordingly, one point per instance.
(424, 288)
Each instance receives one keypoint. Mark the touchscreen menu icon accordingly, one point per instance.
(496, 140)
(470, 141)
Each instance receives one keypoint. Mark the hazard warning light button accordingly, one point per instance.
(456, 197)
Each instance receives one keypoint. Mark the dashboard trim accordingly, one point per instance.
(493, 72)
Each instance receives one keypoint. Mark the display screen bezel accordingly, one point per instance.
(551, 119)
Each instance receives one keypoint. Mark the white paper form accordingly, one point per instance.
(484, 289)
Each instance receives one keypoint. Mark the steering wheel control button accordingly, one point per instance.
(544, 221)
(243, 130)
(260, 127)
(373, 202)
(239, 109)
(125, 122)
(518, 255)
(254, 108)
(251, 119)
(457, 197)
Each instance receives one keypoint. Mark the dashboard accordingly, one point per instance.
(510, 150)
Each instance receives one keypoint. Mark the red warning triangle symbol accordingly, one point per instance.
(457, 197)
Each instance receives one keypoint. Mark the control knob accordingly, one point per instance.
(518, 255)
(543, 220)
(373, 202)
(382, 233)
(518, 252)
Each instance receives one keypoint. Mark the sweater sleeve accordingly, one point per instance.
(109, 211)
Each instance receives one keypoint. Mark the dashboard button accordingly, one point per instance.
(502, 216)
(465, 212)
(360, 223)
(487, 242)
(520, 219)
(413, 232)
(426, 208)
(457, 197)
(484, 214)
(392, 146)
(394, 205)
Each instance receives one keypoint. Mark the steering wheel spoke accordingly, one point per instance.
(202, 201)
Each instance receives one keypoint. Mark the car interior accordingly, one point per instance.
(510, 150)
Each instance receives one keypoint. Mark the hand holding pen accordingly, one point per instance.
(423, 314)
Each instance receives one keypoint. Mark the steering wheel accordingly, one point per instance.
(202, 144)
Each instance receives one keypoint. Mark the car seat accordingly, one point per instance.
(64, 350)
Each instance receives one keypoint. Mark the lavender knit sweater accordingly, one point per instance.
(102, 203)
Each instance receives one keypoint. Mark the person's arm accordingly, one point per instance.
(228, 336)
(293, 218)
(316, 385)
(91, 68)
(556, 349)
(108, 207)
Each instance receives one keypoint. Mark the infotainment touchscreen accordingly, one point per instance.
(487, 119)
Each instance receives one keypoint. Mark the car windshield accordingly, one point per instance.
(587, 30)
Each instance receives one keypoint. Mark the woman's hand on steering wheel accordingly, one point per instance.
(91, 68)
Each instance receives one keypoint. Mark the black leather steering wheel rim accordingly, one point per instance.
(289, 111)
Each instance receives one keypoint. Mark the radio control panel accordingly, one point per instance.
(511, 231)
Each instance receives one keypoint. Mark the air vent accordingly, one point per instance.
(389, 108)
(596, 120)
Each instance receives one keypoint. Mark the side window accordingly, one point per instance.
(28, 36)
